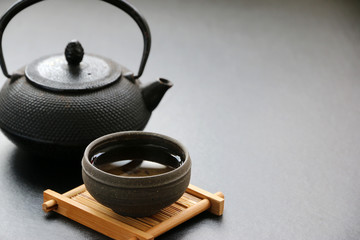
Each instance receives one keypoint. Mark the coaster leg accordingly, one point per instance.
(216, 200)
(220, 194)
(52, 204)
(49, 205)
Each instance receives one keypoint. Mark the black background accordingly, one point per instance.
(266, 98)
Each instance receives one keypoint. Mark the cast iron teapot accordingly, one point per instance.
(58, 104)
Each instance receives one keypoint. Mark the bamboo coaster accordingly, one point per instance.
(78, 205)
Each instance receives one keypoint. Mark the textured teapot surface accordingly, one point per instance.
(27, 111)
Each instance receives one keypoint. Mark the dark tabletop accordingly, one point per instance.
(266, 98)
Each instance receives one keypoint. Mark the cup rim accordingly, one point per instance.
(163, 177)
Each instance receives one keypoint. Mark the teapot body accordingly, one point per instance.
(49, 122)
(57, 105)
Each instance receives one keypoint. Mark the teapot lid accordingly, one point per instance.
(74, 71)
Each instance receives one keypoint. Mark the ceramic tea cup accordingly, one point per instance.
(136, 173)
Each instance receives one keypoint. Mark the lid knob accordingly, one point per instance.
(74, 53)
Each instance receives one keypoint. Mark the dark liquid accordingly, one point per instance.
(136, 161)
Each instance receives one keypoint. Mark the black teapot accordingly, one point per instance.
(58, 104)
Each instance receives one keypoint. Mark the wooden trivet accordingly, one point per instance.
(78, 205)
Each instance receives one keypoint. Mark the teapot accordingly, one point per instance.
(58, 104)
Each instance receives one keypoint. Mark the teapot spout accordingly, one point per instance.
(154, 92)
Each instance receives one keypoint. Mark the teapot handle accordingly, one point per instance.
(125, 6)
